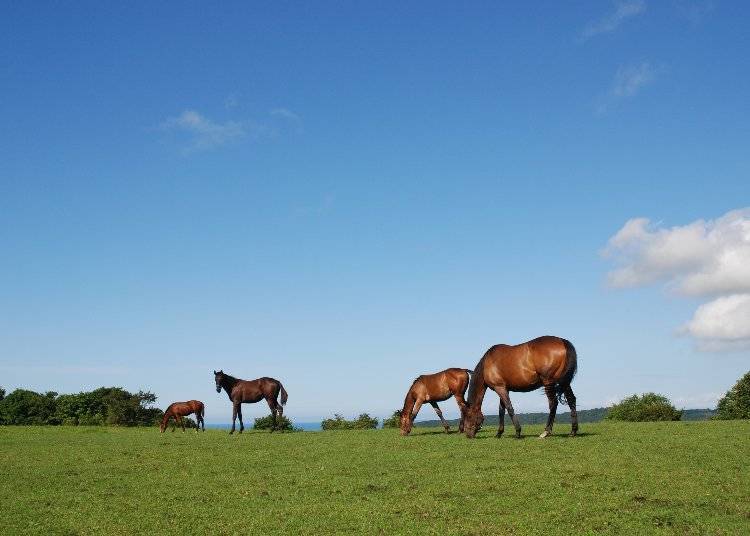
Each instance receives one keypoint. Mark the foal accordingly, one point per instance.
(434, 388)
(178, 410)
(251, 391)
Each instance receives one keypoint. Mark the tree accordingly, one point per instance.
(27, 407)
(647, 407)
(735, 404)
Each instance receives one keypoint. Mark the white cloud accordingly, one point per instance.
(630, 79)
(285, 113)
(203, 132)
(702, 258)
(725, 320)
(623, 11)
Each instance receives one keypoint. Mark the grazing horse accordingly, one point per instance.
(178, 410)
(548, 362)
(434, 388)
(251, 391)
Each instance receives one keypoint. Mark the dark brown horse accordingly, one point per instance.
(548, 362)
(178, 410)
(434, 388)
(251, 391)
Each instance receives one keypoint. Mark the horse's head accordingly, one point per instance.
(405, 422)
(219, 378)
(162, 427)
(473, 419)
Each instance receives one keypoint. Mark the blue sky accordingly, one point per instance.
(347, 195)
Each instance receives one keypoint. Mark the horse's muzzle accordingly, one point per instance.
(218, 388)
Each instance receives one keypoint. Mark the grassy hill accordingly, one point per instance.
(676, 477)
(584, 416)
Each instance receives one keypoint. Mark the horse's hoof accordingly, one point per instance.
(544, 434)
(499, 435)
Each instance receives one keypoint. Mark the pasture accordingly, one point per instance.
(675, 477)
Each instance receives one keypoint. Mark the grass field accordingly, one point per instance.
(619, 478)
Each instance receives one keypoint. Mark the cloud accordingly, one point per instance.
(629, 80)
(703, 258)
(612, 21)
(204, 133)
(285, 114)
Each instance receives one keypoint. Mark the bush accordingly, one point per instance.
(27, 407)
(647, 407)
(736, 403)
(394, 421)
(283, 424)
(363, 422)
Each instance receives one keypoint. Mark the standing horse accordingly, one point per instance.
(251, 391)
(548, 362)
(434, 388)
(178, 410)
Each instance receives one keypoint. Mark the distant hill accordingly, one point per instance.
(584, 415)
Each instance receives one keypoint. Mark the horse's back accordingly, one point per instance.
(529, 365)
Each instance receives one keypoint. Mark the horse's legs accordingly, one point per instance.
(182, 424)
(234, 416)
(500, 420)
(415, 410)
(462, 408)
(275, 407)
(505, 399)
(549, 390)
(239, 414)
(440, 414)
(571, 399)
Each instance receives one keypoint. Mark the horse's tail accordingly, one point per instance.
(284, 395)
(570, 371)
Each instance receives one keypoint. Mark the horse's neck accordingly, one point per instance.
(408, 403)
(228, 383)
(477, 388)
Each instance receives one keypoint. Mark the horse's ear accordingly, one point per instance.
(214, 373)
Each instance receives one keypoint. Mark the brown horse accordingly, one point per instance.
(434, 388)
(178, 410)
(548, 362)
(251, 391)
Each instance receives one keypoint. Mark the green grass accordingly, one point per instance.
(617, 477)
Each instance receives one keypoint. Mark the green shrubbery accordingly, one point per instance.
(363, 422)
(283, 424)
(647, 407)
(106, 405)
(736, 403)
(394, 421)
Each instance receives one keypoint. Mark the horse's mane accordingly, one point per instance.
(475, 379)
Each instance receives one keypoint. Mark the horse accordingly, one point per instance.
(548, 362)
(434, 388)
(178, 410)
(251, 391)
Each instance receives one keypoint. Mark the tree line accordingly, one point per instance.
(103, 406)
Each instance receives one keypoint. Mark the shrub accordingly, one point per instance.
(735, 404)
(283, 424)
(363, 422)
(647, 407)
(394, 421)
